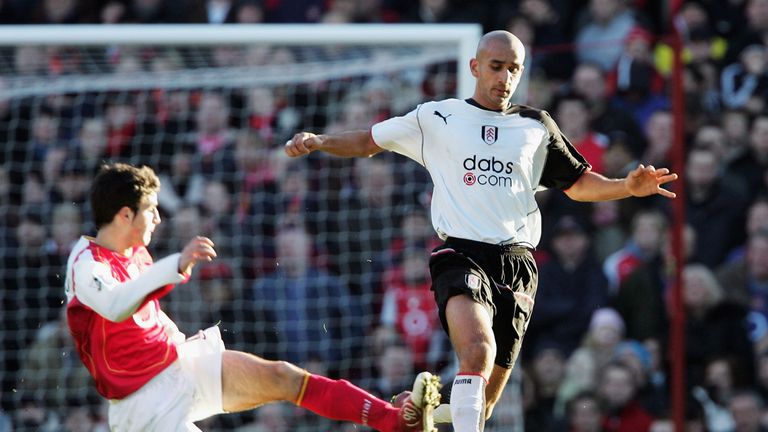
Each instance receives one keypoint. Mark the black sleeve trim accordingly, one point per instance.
(564, 164)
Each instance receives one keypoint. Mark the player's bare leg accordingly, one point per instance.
(249, 381)
(472, 338)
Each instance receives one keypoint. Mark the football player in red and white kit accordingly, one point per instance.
(155, 378)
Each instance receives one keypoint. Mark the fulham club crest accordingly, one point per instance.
(490, 134)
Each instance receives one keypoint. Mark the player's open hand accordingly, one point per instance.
(302, 143)
(647, 180)
(198, 249)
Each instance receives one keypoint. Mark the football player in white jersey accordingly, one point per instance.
(157, 380)
(487, 157)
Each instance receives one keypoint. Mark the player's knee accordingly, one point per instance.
(284, 372)
(477, 356)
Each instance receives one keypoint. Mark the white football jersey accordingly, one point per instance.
(485, 165)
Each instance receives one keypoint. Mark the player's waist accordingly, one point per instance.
(513, 247)
(166, 378)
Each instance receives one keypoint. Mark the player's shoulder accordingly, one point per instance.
(539, 115)
(529, 112)
(444, 103)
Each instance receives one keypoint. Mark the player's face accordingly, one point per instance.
(144, 221)
(498, 68)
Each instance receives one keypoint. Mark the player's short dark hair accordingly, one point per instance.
(120, 185)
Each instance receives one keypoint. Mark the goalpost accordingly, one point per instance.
(209, 107)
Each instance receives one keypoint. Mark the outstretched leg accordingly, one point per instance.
(249, 381)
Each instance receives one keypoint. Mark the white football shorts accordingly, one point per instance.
(186, 391)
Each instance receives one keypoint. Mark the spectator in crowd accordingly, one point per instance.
(608, 235)
(91, 143)
(606, 24)
(745, 281)
(571, 287)
(606, 117)
(618, 394)
(659, 133)
(755, 13)
(752, 164)
(735, 123)
(305, 303)
(62, 12)
(642, 297)
(51, 362)
(572, 114)
(547, 369)
(713, 393)
(357, 236)
(395, 368)
(215, 140)
(757, 218)
(221, 292)
(761, 373)
(408, 304)
(182, 185)
(644, 245)
(548, 23)
(714, 207)
(33, 415)
(606, 331)
(141, 12)
(585, 413)
(219, 218)
(711, 136)
(714, 326)
(747, 408)
(744, 84)
(66, 226)
(72, 184)
(442, 12)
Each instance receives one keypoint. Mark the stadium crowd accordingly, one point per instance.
(324, 261)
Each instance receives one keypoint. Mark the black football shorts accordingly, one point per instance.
(501, 278)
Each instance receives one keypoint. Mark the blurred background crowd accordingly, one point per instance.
(324, 261)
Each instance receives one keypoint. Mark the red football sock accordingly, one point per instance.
(341, 400)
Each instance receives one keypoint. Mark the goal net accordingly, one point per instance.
(322, 261)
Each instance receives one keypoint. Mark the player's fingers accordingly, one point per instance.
(666, 193)
(204, 240)
(662, 171)
(667, 178)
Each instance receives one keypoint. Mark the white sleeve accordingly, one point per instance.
(401, 135)
(96, 288)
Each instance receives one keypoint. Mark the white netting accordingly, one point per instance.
(211, 120)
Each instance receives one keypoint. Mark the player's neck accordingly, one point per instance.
(108, 239)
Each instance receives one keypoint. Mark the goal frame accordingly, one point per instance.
(464, 36)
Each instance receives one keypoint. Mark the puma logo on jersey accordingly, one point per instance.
(445, 118)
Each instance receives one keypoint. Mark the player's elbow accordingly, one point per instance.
(117, 314)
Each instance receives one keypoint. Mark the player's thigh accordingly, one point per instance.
(249, 381)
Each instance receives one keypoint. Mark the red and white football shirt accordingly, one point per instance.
(114, 315)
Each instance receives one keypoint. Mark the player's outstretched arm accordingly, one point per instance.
(345, 144)
(115, 300)
(640, 182)
(198, 249)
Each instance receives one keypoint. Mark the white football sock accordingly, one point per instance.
(468, 403)
(442, 413)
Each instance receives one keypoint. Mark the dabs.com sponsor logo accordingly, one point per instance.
(489, 172)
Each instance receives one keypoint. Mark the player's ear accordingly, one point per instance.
(125, 214)
(473, 65)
